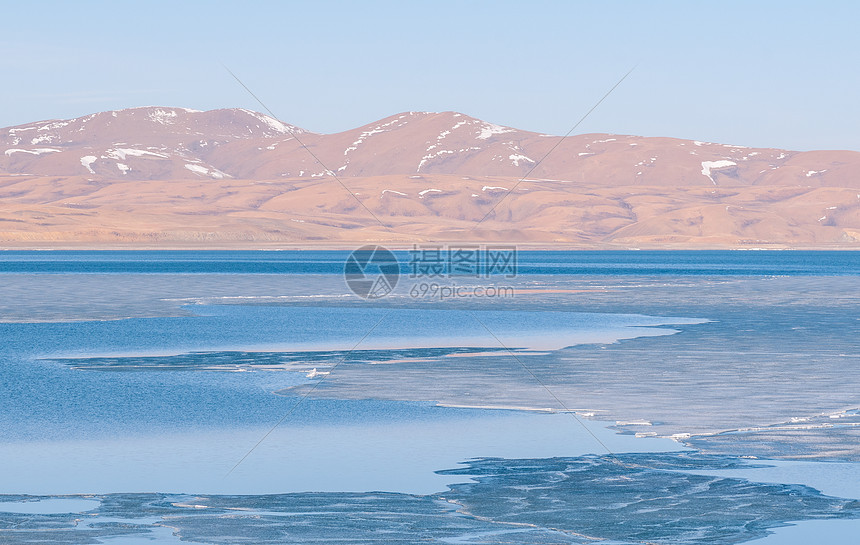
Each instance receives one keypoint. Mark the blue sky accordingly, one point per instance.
(771, 74)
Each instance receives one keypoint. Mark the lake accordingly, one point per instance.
(139, 383)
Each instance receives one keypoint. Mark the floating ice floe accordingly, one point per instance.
(313, 373)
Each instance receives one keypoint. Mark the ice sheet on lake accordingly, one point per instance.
(627, 498)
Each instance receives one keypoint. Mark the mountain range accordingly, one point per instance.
(174, 177)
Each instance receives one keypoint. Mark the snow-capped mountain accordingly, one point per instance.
(155, 172)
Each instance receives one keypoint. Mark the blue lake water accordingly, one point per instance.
(695, 263)
(170, 404)
(97, 431)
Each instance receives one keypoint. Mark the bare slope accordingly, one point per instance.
(169, 176)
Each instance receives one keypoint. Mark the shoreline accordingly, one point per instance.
(401, 245)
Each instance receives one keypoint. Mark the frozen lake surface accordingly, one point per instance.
(611, 390)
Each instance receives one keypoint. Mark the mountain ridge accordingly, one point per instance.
(165, 175)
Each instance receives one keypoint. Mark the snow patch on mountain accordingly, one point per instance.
(54, 125)
(43, 139)
(87, 161)
(490, 129)
(37, 151)
(707, 166)
(376, 130)
(385, 127)
(442, 136)
(272, 123)
(163, 117)
(516, 158)
(122, 153)
(203, 171)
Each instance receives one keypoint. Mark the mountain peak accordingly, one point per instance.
(158, 142)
